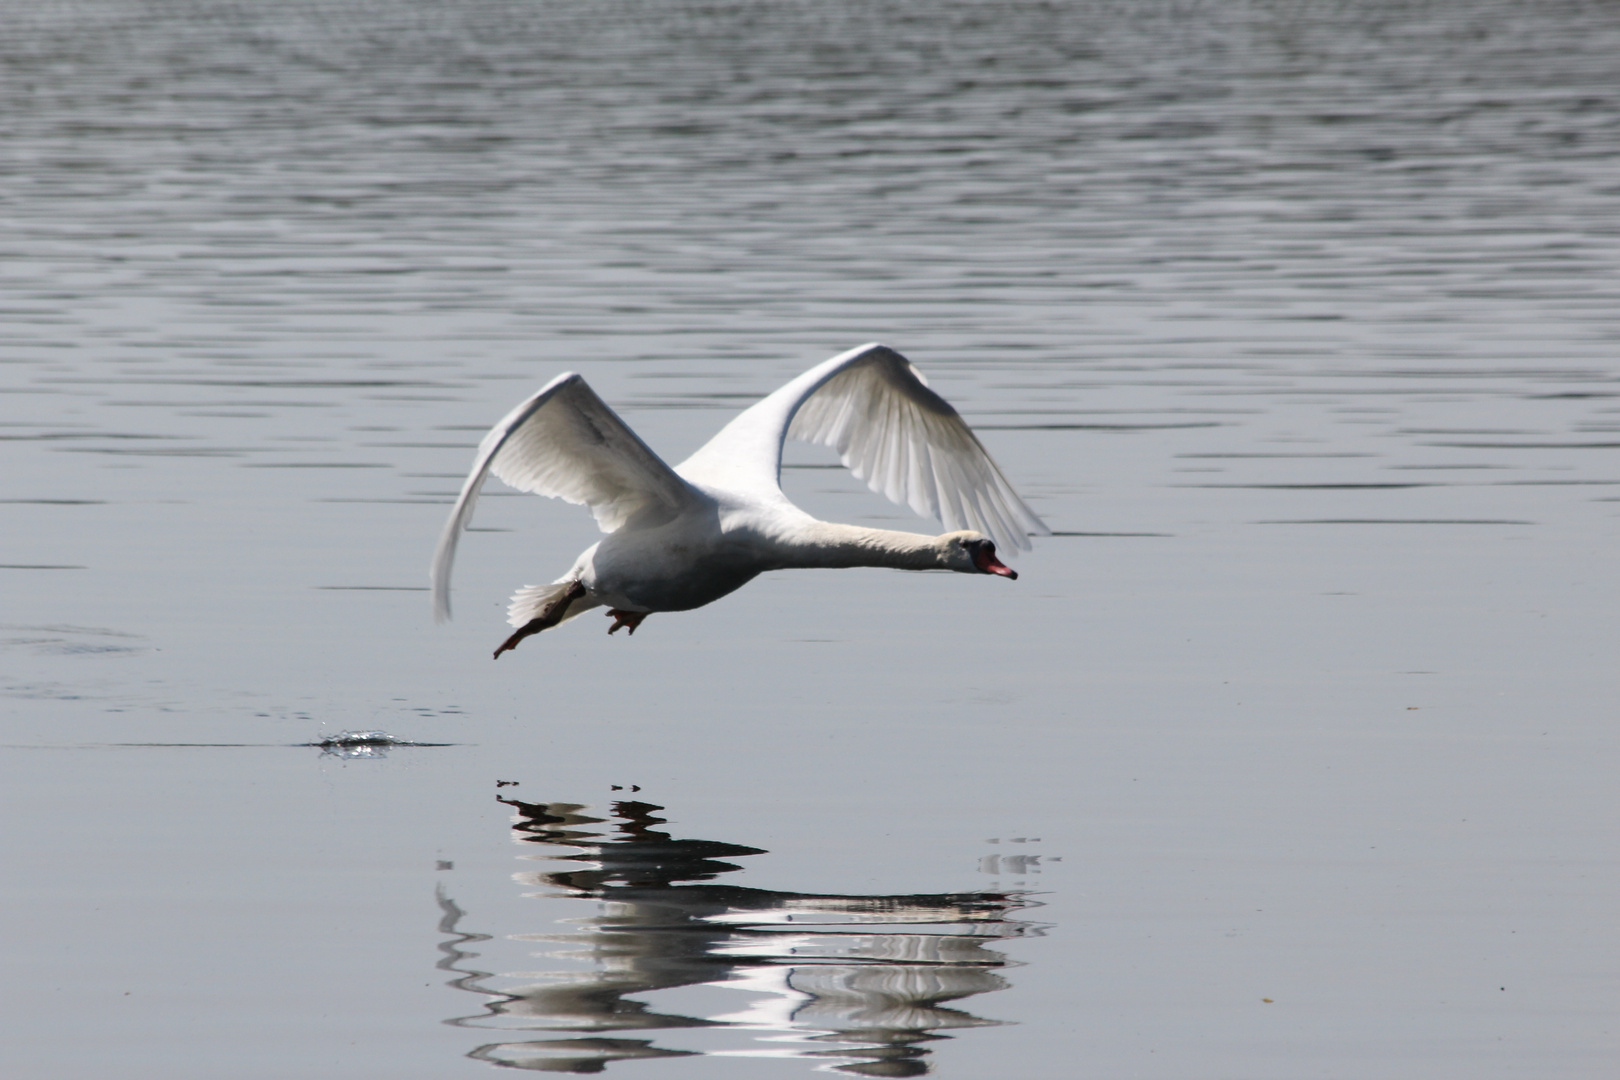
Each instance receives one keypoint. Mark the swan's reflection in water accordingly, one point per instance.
(857, 983)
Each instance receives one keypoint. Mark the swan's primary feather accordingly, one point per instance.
(876, 410)
(566, 443)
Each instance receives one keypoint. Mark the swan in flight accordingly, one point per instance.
(684, 537)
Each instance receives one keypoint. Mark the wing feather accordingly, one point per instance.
(876, 410)
(564, 442)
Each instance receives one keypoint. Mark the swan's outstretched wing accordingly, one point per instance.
(890, 429)
(566, 443)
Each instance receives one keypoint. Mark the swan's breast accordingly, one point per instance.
(675, 567)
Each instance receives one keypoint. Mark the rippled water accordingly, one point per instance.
(1292, 754)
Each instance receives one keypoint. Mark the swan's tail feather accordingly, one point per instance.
(531, 601)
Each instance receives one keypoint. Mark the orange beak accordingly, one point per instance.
(987, 563)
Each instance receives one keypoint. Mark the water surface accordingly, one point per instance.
(1291, 754)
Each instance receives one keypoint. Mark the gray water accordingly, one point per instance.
(1292, 754)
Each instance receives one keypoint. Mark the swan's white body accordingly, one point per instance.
(681, 538)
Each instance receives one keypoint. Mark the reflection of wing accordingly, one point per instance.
(571, 1055)
(890, 429)
(564, 442)
(864, 997)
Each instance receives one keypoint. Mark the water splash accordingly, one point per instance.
(363, 744)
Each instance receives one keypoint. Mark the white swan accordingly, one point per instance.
(684, 537)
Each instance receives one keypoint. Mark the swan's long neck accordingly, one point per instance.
(825, 544)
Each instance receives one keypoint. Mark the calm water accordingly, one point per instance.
(1293, 754)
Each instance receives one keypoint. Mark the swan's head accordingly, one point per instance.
(974, 553)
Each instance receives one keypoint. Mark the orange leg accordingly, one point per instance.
(628, 619)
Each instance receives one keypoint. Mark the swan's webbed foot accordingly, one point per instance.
(551, 616)
(628, 619)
